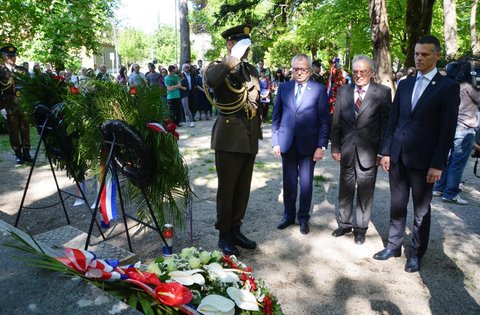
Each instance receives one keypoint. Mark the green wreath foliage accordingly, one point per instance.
(84, 110)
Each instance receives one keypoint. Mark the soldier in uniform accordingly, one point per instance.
(17, 125)
(235, 134)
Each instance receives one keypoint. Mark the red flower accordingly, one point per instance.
(267, 306)
(145, 277)
(176, 134)
(74, 90)
(171, 127)
(133, 90)
(59, 78)
(173, 294)
(168, 233)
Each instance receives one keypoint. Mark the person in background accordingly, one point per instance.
(316, 72)
(361, 113)
(300, 130)
(103, 75)
(277, 80)
(153, 77)
(235, 135)
(136, 78)
(203, 104)
(173, 85)
(417, 138)
(184, 92)
(122, 77)
(17, 124)
(448, 187)
(264, 94)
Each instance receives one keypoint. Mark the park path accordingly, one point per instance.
(312, 274)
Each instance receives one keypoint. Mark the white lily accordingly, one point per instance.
(244, 299)
(214, 304)
(188, 277)
(225, 275)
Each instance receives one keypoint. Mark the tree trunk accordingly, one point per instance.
(348, 46)
(450, 29)
(474, 38)
(418, 22)
(381, 43)
(185, 53)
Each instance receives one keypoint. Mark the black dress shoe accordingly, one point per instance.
(359, 238)
(304, 228)
(341, 231)
(242, 241)
(27, 157)
(387, 253)
(413, 264)
(225, 243)
(284, 223)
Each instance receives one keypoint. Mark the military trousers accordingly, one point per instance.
(18, 130)
(234, 172)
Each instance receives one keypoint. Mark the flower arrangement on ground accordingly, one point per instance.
(192, 282)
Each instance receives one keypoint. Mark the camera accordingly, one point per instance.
(466, 70)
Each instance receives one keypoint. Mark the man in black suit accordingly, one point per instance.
(417, 140)
(361, 113)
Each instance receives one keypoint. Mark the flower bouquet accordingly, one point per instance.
(193, 282)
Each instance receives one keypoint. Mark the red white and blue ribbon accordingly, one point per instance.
(156, 127)
(85, 262)
(108, 200)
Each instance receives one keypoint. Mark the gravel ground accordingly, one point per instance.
(312, 274)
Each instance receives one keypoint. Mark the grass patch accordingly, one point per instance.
(5, 140)
(211, 170)
(320, 178)
(260, 165)
(208, 161)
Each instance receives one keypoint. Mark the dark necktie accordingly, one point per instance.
(298, 95)
(358, 102)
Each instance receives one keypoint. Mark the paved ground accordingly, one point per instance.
(313, 274)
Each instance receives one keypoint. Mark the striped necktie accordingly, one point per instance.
(358, 102)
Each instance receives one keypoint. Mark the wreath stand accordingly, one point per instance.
(127, 152)
(49, 127)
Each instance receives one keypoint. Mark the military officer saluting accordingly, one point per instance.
(235, 135)
(17, 125)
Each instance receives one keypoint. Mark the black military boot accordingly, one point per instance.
(225, 243)
(241, 240)
(19, 157)
(26, 156)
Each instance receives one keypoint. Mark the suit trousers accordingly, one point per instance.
(363, 179)
(295, 167)
(234, 172)
(402, 180)
(18, 131)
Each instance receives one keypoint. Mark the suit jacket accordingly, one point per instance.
(307, 123)
(362, 135)
(235, 132)
(422, 137)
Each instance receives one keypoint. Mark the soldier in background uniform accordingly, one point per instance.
(17, 125)
(235, 135)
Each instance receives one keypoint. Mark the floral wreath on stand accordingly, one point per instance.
(335, 81)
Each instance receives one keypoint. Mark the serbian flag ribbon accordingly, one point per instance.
(156, 127)
(108, 200)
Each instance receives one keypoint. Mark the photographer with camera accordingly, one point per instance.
(467, 123)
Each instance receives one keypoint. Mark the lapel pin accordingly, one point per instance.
(433, 82)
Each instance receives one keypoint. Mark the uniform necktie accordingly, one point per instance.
(418, 90)
(298, 95)
(358, 102)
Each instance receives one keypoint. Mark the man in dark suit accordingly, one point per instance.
(417, 140)
(361, 113)
(300, 127)
(235, 135)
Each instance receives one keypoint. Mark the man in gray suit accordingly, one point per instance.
(361, 113)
